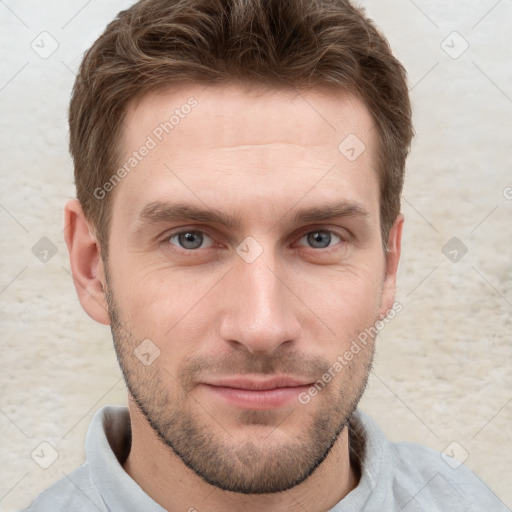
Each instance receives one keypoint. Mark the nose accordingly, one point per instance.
(259, 307)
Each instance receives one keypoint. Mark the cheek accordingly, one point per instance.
(161, 303)
(180, 309)
(345, 299)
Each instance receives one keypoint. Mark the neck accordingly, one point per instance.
(168, 481)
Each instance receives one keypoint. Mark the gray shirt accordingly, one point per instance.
(404, 477)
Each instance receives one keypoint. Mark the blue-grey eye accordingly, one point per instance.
(320, 239)
(189, 239)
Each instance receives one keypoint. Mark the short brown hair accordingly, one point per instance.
(291, 43)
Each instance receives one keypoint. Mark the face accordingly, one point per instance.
(245, 258)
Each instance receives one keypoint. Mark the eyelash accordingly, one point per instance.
(344, 237)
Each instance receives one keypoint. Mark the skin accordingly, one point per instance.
(261, 156)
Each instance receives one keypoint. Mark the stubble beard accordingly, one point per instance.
(256, 466)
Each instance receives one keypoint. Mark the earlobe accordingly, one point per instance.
(394, 247)
(86, 263)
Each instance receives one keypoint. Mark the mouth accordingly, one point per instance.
(256, 393)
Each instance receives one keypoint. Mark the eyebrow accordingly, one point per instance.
(159, 212)
(330, 211)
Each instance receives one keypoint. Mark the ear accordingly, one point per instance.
(392, 258)
(86, 264)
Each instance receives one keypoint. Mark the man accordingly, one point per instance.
(238, 167)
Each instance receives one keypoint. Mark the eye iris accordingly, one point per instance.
(319, 239)
(190, 239)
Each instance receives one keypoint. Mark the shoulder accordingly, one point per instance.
(75, 491)
(424, 479)
(410, 477)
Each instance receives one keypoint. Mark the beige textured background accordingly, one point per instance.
(443, 367)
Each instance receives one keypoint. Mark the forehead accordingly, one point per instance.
(260, 115)
(245, 145)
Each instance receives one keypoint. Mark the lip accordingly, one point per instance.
(257, 393)
(259, 383)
